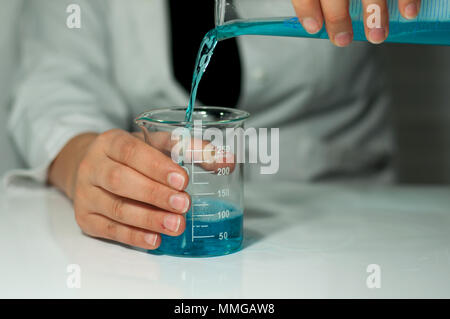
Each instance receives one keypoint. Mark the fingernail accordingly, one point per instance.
(411, 10)
(179, 203)
(377, 35)
(343, 39)
(151, 239)
(176, 181)
(172, 222)
(311, 25)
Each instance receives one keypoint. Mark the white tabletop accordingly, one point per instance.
(302, 241)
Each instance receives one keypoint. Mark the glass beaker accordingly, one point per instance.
(207, 149)
(278, 18)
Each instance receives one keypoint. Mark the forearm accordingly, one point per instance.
(62, 172)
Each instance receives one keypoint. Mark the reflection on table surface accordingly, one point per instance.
(301, 241)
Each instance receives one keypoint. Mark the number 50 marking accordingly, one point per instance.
(223, 236)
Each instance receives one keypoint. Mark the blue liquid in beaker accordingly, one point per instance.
(213, 228)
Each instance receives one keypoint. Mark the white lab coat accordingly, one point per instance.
(329, 103)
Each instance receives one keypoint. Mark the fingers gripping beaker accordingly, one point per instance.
(207, 149)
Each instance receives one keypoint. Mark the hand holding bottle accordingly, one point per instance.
(335, 14)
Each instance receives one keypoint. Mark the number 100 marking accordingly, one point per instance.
(224, 214)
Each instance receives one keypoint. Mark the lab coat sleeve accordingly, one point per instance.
(65, 86)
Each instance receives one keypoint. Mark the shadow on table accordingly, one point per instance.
(252, 236)
(270, 213)
(257, 216)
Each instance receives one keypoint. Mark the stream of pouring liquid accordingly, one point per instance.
(204, 56)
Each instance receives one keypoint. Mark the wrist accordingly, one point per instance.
(63, 171)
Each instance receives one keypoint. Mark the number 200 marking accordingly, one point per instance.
(223, 171)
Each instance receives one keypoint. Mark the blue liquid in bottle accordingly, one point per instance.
(400, 32)
(432, 27)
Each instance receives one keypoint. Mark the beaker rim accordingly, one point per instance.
(237, 115)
